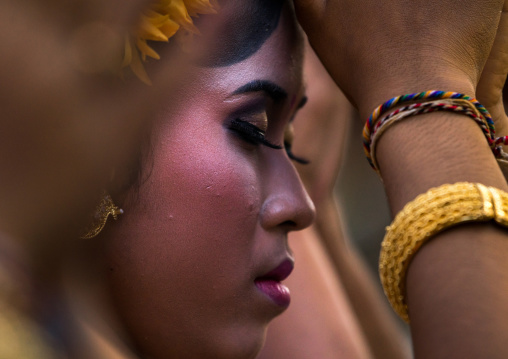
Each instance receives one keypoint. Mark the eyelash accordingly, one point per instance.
(252, 134)
(292, 156)
(256, 136)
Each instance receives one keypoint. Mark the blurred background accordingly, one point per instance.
(363, 202)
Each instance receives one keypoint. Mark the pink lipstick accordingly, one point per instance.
(270, 284)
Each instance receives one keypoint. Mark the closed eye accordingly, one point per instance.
(251, 133)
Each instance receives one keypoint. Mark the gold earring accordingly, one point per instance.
(105, 208)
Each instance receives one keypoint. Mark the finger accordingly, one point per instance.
(496, 67)
(493, 78)
(309, 11)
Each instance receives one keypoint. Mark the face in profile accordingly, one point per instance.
(196, 261)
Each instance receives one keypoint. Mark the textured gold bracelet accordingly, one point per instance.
(424, 217)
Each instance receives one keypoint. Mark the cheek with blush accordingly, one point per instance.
(206, 197)
(184, 252)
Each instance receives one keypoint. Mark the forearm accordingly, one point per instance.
(457, 282)
(456, 291)
(458, 277)
(378, 324)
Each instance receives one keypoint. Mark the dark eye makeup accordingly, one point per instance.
(251, 133)
(292, 156)
(256, 136)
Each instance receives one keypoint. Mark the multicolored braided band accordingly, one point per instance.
(420, 100)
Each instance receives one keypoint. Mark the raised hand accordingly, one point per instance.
(383, 49)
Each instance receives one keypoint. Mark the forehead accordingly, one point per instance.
(275, 56)
(242, 27)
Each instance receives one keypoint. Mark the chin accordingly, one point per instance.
(237, 343)
(240, 349)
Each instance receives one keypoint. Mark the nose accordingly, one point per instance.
(287, 204)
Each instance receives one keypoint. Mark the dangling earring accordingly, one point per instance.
(105, 208)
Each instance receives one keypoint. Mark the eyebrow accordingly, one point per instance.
(273, 90)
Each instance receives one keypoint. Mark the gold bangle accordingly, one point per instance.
(424, 217)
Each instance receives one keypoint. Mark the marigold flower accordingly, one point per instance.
(159, 23)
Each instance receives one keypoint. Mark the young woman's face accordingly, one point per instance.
(197, 259)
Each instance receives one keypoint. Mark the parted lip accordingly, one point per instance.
(279, 273)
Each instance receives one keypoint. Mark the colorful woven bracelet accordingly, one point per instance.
(423, 97)
(430, 213)
(459, 106)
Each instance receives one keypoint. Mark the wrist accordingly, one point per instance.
(382, 88)
(433, 149)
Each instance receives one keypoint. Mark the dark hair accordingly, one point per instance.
(247, 31)
(237, 39)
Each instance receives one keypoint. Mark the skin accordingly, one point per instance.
(457, 283)
(320, 322)
(337, 308)
(212, 212)
(46, 186)
(56, 104)
(67, 121)
(333, 114)
(493, 79)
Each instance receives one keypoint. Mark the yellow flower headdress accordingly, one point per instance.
(159, 23)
